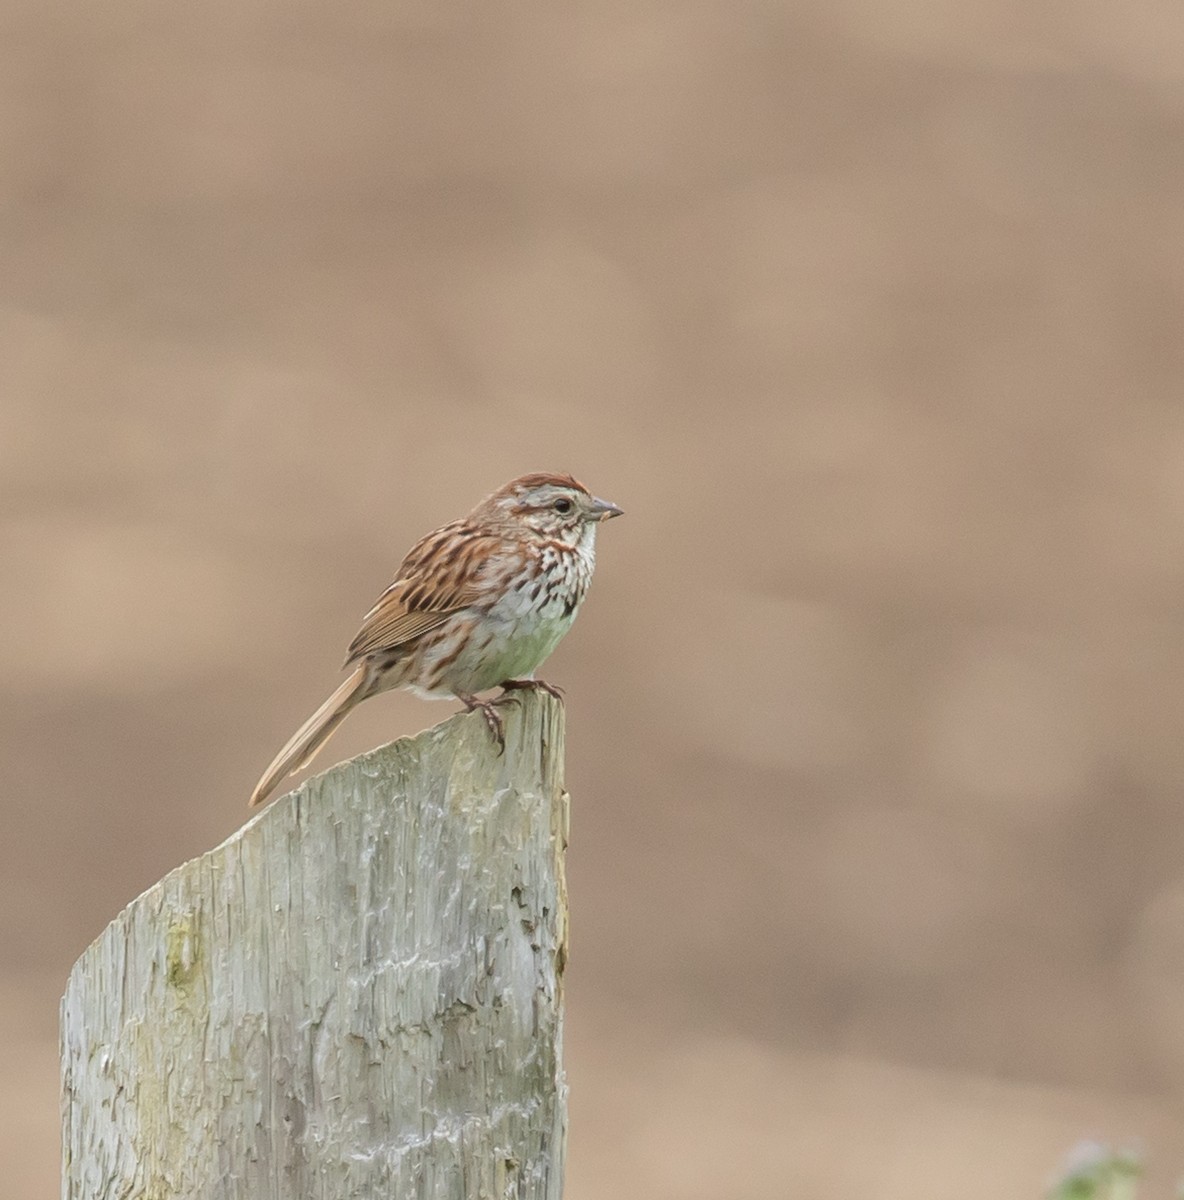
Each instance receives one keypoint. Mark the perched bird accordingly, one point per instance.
(477, 604)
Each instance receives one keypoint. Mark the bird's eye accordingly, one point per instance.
(562, 505)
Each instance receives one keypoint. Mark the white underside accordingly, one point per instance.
(515, 637)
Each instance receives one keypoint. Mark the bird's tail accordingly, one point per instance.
(301, 748)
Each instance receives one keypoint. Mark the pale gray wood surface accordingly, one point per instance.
(357, 995)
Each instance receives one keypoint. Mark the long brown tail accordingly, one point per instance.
(301, 748)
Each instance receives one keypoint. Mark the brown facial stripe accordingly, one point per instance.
(557, 544)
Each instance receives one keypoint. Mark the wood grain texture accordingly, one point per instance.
(359, 994)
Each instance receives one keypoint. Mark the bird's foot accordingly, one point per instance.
(531, 685)
(493, 719)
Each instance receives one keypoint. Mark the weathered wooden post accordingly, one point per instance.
(358, 995)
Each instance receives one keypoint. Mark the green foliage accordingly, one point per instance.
(1095, 1172)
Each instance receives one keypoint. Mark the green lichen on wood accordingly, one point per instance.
(182, 952)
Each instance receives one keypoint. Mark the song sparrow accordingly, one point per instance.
(477, 604)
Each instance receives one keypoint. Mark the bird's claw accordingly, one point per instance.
(493, 719)
(488, 708)
(532, 685)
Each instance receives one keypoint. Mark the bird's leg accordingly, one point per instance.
(534, 685)
(492, 717)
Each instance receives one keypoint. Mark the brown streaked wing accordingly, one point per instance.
(437, 578)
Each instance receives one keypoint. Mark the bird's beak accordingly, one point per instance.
(602, 510)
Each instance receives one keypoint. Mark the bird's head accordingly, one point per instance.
(549, 506)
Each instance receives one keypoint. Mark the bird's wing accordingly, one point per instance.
(438, 577)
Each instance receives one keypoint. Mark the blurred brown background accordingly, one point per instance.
(869, 315)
